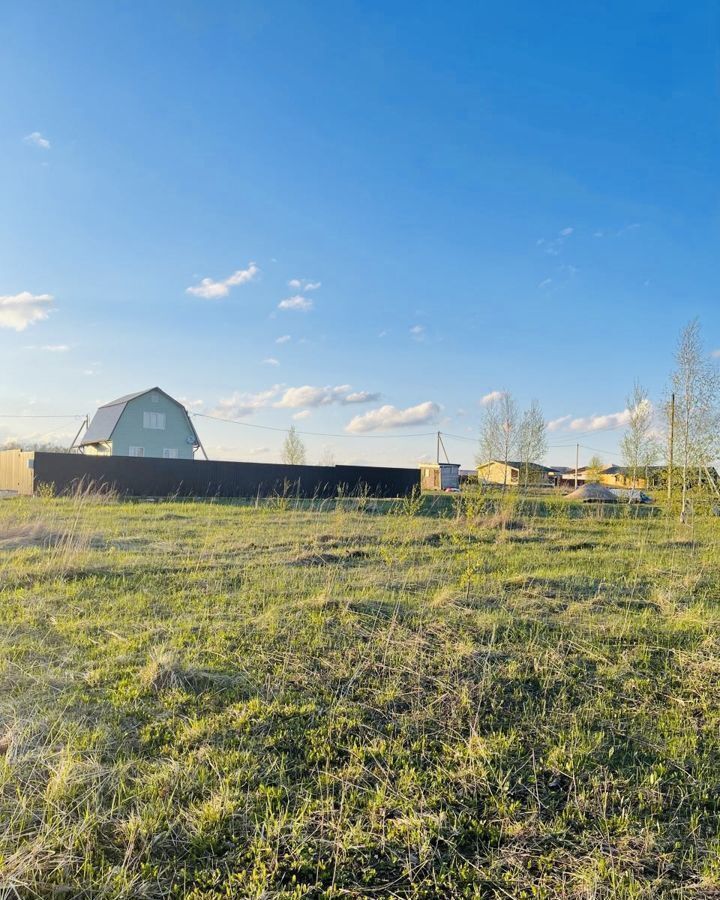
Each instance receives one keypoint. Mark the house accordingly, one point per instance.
(498, 472)
(440, 476)
(610, 476)
(148, 423)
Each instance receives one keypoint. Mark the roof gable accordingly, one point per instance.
(105, 420)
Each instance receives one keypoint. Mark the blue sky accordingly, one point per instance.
(491, 197)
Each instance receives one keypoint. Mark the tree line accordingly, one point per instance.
(684, 428)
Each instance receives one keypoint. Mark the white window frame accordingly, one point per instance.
(136, 451)
(171, 453)
(154, 421)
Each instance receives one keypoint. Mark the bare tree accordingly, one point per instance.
(498, 432)
(293, 451)
(532, 438)
(327, 457)
(695, 383)
(639, 445)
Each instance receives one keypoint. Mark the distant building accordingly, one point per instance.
(498, 472)
(148, 423)
(440, 476)
(610, 475)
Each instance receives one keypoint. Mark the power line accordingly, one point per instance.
(459, 437)
(25, 416)
(313, 433)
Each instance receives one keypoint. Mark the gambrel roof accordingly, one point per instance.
(108, 415)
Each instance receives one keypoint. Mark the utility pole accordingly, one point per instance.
(671, 445)
(577, 460)
(437, 452)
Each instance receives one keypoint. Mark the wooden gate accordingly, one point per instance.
(16, 471)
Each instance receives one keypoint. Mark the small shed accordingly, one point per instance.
(440, 476)
(592, 493)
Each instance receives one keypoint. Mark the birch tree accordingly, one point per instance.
(293, 451)
(695, 384)
(639, 445)
(532, 438)
(498, 432)
(594, 470)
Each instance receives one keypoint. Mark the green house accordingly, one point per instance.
(148, 423)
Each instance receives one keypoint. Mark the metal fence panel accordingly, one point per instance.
(150, 477)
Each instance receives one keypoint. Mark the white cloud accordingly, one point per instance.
(715, 354)
(283, 339)
(37, 140)
(418, 332)
(553, 246)
(391, 417)
(302, 284)
(17, 311)
(492, 397)
(191, 404)
(602, 422)
(49, 348)
(242, 403)
(302, 304)
(258, 451)
(279, 396)
(557, 424)
(303, 414)
(616, 232)
(271, 361)
(360, 397)
(212, 290)
(307, 395)
(546, 282)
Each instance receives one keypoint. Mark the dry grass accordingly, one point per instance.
(346, 700)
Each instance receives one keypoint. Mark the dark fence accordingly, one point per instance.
(144, 477)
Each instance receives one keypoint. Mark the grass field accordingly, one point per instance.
(471, 700)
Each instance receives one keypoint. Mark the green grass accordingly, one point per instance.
(427, 699)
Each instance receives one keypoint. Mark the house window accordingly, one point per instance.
(137, 451)
(170, 453)
(154, 420)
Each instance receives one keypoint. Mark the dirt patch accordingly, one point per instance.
(165, 671)
(16, 537)
(501, 520)
(572, 548)
(328, 559)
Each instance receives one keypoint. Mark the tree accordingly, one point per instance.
(594, 470)
(327, 457)
(639, 446)
(293, 451)
(498, 431)
(695, 384)
(532, 438)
